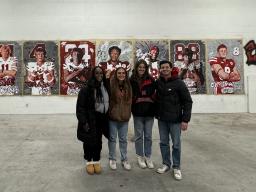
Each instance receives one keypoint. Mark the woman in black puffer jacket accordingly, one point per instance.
(91, 111)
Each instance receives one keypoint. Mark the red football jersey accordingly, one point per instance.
(222, 86)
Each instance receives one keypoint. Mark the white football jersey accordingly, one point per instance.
(34, 67)
(9, 64)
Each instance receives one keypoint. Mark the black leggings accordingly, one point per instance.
(92, 151)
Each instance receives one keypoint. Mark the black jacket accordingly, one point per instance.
(173, 100)
(143, 93)
(88, 129)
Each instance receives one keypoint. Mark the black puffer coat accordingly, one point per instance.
(143, 93)
(173, 100)
(86, 115)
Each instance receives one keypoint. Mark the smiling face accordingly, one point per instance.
(120, 74)
(98, 73)
(165, 69)
(141, 69)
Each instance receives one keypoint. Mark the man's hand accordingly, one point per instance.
(184, 126)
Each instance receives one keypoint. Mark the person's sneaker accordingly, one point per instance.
(177, 174)
(112, 164)
(149, 163)
(141, 162)
(163, 169)
(97, 167)
(90, 168)
(126, 165)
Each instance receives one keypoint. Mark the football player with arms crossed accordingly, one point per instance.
(224, 72)
(76, 71)
(40, 74)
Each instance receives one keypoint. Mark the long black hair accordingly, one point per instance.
(95, 84)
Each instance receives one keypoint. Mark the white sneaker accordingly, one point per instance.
(112, 164)
(141, 162)
(149, 163)
(177, 174)
(163, 169)
(126, 165)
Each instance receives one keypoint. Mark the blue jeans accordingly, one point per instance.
(143, 135)
(167, 128)
(120, 128)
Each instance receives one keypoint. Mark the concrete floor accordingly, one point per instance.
(40, 153)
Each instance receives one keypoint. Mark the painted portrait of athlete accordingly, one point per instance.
(114, 62)
(8, 71)
(40, 74)
(77, 61)
(114, 54)
(41, 69)
(188, 57)
(152, 51)
(224, 71)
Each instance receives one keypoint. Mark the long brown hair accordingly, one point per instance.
(115, 87)
(135, 76)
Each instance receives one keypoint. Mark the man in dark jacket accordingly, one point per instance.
(174, 104)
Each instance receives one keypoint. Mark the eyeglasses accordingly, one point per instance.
(98, 73)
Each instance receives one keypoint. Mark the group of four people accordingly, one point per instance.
(104, 107)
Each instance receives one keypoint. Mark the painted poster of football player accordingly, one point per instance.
(188, 58)
(77, 60)
(41, 67)
(112, 54)
(10, 68)
(152, 51)
(225, 64)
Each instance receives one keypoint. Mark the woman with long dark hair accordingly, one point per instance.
(143, 89)
(119, 114)
(91, 111)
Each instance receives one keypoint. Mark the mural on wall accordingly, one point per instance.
(152, 51)
(112, 54)
(225, 67)
(41, 68)
(250, 51)
(77, 60)
(38, 74)
(188, 58)
(10, 68)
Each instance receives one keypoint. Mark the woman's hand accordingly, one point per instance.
(86, 127)
(108, 72)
